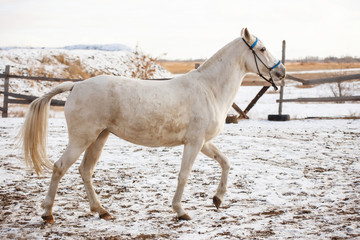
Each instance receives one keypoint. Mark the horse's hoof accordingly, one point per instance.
(217, 202)
(106, 216)
(185, 217)
(48, 219)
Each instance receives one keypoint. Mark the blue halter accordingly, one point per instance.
(277, 64)
(270, 80)
(254, 44)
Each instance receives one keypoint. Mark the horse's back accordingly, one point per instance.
(151, 113)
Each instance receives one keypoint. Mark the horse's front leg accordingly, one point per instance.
(210, 150)
(191, 150)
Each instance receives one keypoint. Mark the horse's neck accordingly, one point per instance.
(224, 72)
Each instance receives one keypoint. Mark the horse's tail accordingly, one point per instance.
(34, 130)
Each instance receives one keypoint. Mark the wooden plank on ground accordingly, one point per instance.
(257, 97)
(242, 114)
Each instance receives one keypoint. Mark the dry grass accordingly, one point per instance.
(19, 111)
(302, 66)
(142, 66)
(304, 86)
(178, 67)
(73, 67)
(17, 114)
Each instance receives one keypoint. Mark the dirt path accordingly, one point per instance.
(298, 180)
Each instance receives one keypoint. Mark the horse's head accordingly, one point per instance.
(260, 60)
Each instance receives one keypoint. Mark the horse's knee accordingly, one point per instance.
(85, 173)
(59, 169)
(224, 162)
(226, 165)
(182, 179)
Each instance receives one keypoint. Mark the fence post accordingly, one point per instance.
(282, 81)
(6, 91)
(280, 116)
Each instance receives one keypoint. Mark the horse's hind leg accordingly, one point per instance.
(86, 170)
(70, 155)
(210, 150)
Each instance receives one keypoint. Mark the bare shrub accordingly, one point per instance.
(18, 114)
(62, 58)
(47, 60)
(142, 66)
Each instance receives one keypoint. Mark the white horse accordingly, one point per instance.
(188, 110)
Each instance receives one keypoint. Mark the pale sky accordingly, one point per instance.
(184, 29)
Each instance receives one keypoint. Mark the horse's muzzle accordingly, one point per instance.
(280, 72)
(280, 76)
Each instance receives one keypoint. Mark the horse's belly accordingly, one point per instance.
(151, 134)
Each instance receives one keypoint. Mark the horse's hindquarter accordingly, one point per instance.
(150, 113)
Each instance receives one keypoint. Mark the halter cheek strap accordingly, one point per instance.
(253, 45)
(270, 80)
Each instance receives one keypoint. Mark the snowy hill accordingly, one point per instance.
(76, 62)
(101, 47)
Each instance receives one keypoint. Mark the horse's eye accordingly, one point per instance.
(263, 49)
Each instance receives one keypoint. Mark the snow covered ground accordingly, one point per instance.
(288, 180)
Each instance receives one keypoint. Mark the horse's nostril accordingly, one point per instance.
(278, 74)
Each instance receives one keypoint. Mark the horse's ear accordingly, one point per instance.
(245, 34)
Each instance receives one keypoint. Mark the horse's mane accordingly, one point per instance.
(216, 56)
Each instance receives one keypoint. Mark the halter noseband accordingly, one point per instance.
(270, 80)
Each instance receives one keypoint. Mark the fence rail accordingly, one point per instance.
(27, 99)
(325, 80)
(40, 78)
(16, 98)
(323, 99)
(337, 79)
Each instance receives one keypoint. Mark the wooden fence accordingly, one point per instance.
(16, 98)
(323, 81)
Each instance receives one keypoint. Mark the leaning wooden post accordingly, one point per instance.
(282, 81)
(6, 92)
